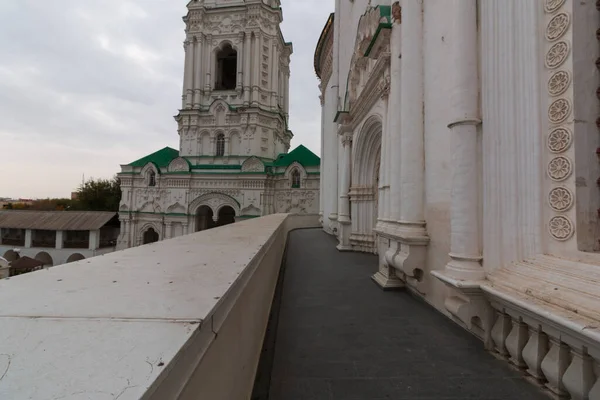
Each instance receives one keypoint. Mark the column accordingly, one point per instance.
(408, 250)
(198, 72)
(344, 203)
(59, 240)
(345, 224)
(322, 166)
(226, 152)
(395, 117)
(94, 240)
(412, 168)
(187, 72)
(465, 251)
(247, 70)
(27, 238)
(168, 230)
(240, 64)
(188, 79)
(208, 65)
(384, 172)
(256, 68)
(275, 78)
(286, 92)
(185, 228)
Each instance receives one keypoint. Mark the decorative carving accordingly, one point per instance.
(559, 168)
(557, 26)
(560, 199)
(179, 164)
(253, 165)
(560, 227)
(557, 54)
(559, 140)
(397, 12)
(558, 83)
(553, 5)
(559, 110)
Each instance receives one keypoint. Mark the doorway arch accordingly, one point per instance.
(150, 236)
(364, 191)
(226, 216)
(204, 218)
(11, 255)
(44, 257)
(75, 257)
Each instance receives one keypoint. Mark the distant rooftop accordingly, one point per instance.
(55, 220)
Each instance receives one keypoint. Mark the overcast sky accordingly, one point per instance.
(88, 85)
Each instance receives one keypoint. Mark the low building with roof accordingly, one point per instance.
(165, 195)
(57, 237)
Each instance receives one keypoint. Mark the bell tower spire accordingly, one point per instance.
(235, 81)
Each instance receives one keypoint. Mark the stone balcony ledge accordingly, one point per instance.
(177, 319)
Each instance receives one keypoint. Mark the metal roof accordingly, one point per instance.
(55, 220)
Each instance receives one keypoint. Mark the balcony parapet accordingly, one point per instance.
(178, 319)
(543, 316)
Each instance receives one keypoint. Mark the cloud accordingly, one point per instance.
(86, 86)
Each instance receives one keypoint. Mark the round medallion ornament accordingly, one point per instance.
(558, 83)
(560, 227)
(559, 110)
(560, 199)
(557, 26)
(557, 54)
(559, 168)
(552, 5)
(559, 140)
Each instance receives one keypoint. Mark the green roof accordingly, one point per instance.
(160, 158)
(300, 154)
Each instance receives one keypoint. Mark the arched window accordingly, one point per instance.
(152, 178)
(295, 178)
(226, 68)
(220, 145)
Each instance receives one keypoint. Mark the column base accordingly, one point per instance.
(386, 282)
(467, 304)
(345, 229)
(465, 268)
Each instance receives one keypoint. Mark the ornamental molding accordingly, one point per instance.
(559, 110)
(378, 80)
(560, 168)
(560, 199)
(557, 54)
(559, 82)
(560, 227)
(560, 137)
(559, 140)
(557, 26)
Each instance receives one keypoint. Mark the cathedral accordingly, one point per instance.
(233, 161)
(460, 144)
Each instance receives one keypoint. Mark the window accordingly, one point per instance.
(295, 178)
(220, 145)
(226, 68)
(152, 178)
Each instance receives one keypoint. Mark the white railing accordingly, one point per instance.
(179, 319)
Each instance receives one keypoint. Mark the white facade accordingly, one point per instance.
(233, 127)
(459, 143)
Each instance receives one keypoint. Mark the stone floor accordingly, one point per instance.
(340, 337)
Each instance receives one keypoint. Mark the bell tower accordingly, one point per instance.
(235, 85)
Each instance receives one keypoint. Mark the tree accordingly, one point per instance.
(99, 195)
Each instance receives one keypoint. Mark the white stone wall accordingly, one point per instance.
(471, 178)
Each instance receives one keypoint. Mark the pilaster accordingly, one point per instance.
(198, 71)
(28, 234)
(345, 223)
(59, 240)
(408, 253)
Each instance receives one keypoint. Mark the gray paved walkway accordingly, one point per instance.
(340, 337)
